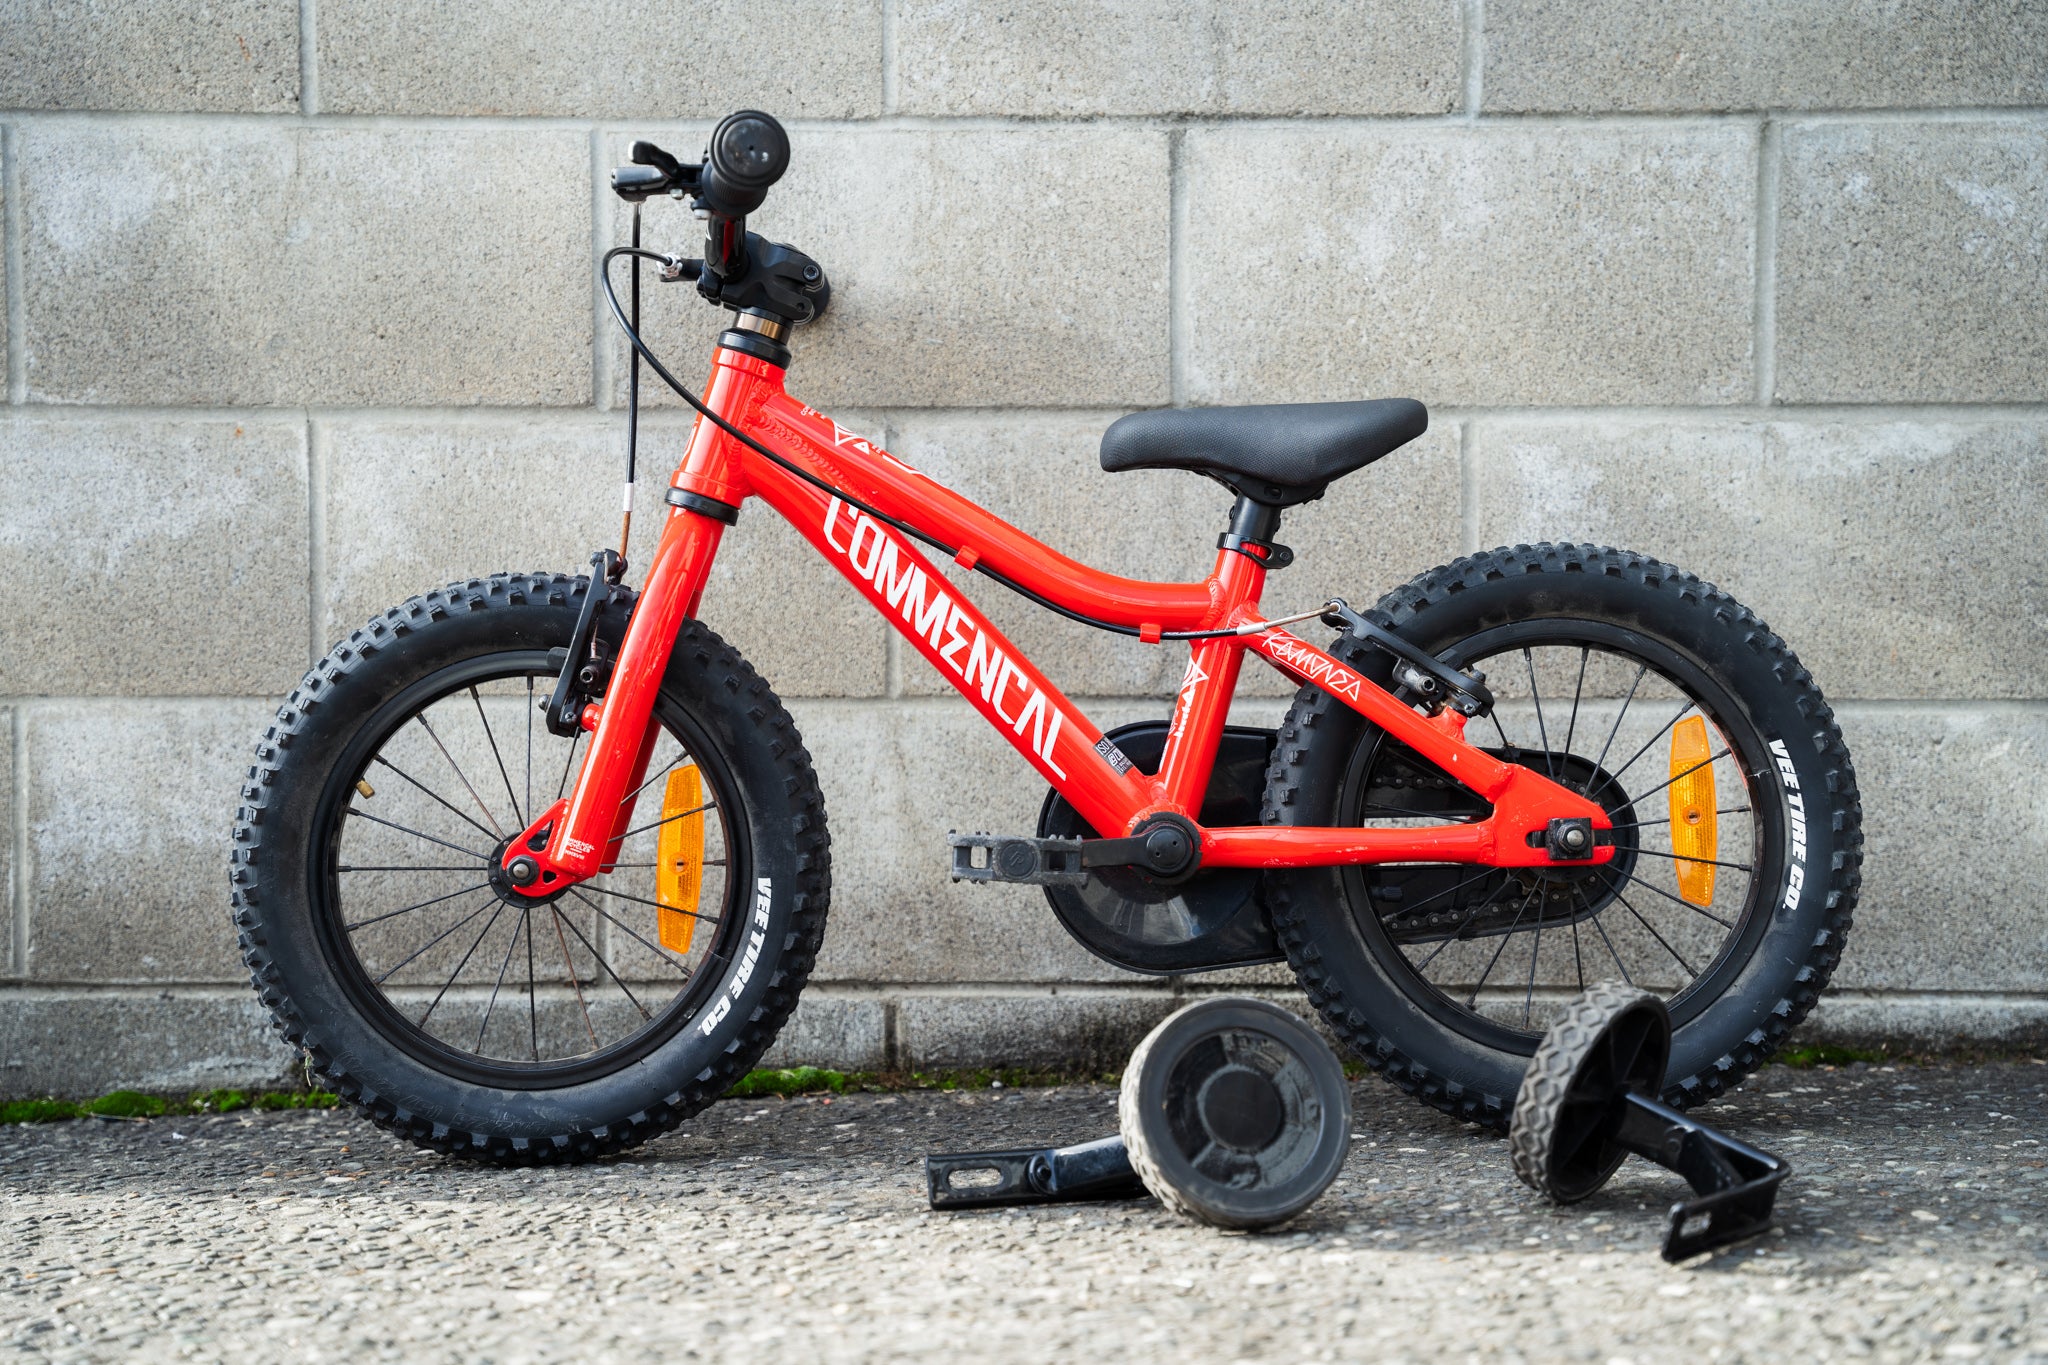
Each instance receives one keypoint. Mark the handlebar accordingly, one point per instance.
(747, 153)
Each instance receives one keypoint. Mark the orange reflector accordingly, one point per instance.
(1692, 809)
(679, 862)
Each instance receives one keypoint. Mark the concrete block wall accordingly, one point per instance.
(300, 320)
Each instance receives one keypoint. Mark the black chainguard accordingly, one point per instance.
(1033, 1175)
(1736, 1184)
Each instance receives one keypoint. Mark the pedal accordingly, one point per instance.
(1006, 858)
(1032, 1175)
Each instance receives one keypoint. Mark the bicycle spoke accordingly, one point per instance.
(681, 814)
(661, 953)
(459, 774)
(405, 829)
(482, 934)
(1505, 742)
(1578, 690)
(1687, 858)
(1578, 963)
(574, 984)
(379, 919)
(568, 765)
(1529, 996)
(1463, 924)
(1646, 824)
(1626, 905)
(434, 940)
(656, 778)
(1472, 1000)
(608, 970)
(1614, 778)
(491, 1004)
(1625, 701)
(529, 741)
(642, 900)
(1542, 735)
(492, 740)
(1675, 900)
(351, 867)
(532, 1001)
(457, 811)
(1594, 920)
(1676, 776)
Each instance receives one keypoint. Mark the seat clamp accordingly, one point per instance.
(1268, 555)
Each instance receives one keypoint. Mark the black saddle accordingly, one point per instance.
(1275, 453)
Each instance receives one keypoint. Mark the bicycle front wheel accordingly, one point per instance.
(432, 994)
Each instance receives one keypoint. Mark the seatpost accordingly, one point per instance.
(1254, 520)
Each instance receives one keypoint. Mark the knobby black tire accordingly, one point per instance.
(397, 1090)
(1738, 1031)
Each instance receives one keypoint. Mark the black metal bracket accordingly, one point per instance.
(1434, 683)
(1269, 555)
(1032, 1175)
(1736, 1184)
(582, 673)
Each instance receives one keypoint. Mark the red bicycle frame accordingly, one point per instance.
(578, 836)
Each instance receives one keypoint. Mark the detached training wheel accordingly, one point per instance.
(1564, 1136)
(1236, 1113)
(1588, 1102)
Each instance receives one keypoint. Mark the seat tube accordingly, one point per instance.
(1206, 690)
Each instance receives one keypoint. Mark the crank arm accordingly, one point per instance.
(1034, 1175)
(1433, 682)
(1736, 1184)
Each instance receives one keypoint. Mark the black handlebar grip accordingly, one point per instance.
(748, 153)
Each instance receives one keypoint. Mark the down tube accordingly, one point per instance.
(971, 654)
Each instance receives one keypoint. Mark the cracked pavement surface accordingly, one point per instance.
(1914, 1227)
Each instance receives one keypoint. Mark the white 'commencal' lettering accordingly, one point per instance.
(932, 616)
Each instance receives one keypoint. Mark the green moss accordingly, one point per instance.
(38, 1111)
(128, 1104)
(295, 1099)
(802, 1080)
(218, 1102)
(1804, 1057)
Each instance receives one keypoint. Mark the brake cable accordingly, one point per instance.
(783, 462)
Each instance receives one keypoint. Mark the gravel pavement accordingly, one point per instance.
(1914, 1227)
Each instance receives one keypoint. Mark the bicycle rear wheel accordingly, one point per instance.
(1737, 830)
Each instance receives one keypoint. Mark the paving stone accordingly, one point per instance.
(808, 1236)
(1762, 54)
(1927, 1022)
(152, 555)
(1481, 265)
(1041, 473)
(1940, 778)
(415, 504)
(1151, 57)
(1908, 254)
(584, 59)
(301, 264)
(941, 245)
(171, 1041)
(233, 55)
(1850, 538)
(129, 808)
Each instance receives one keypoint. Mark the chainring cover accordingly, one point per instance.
(1212, 920)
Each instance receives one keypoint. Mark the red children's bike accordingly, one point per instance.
(534, 866)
